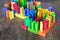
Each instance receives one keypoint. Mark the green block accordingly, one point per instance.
(44, 15)
(34, 27)
(27, 22)
(54, 16)
(38, 6)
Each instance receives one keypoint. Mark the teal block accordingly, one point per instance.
(27, 22)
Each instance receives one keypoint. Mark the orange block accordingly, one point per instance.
(7, 14)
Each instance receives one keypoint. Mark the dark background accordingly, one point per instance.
(11, 29)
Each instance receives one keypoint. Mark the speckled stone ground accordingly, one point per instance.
(11, 29)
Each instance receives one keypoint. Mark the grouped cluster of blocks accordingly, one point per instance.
(36, 19)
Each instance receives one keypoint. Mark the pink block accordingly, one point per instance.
(9, 3)
(23, 27)
(15, 6)
(45, 24)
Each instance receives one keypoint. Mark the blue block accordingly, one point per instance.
(4, 11)
(32, 14)
(31, 0)
(50, 9)
(26, 12)
(13, 0)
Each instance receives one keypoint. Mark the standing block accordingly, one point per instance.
(32, 14)
(4, 11)
(41, 26)
(53, 15)
(23, 27)
(45, 24)
(18, 10)
(8, 14)
(27, 22)
(50, 20)
(15, 6)
(26, 12)
(40, 13)
(11, 14)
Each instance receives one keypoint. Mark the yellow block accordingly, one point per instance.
(50, 20)
(22, 11)
(19, 16)
(11, 14)
(40, 13)
(41, 26)
(6, 5)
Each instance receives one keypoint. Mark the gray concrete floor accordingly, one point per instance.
(11, 29)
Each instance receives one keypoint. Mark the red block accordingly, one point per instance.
(45, 24)
(23, 27)
(18, 9)
(15, 6)
(37, 19)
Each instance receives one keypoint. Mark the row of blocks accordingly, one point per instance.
(36, 19)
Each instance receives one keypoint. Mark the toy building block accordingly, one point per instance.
(27, 22)
(11, 14)
(4, 11)
(53, 15)
(6, 5)
(34, 27)
(8, 14)
(26, 12)
(43, 34)
(41, 26)
(50, 20)
(23, 27)
(45, 24)
(50, 9)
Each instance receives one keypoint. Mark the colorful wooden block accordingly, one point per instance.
(18, 10)
(8, 14)
(4, 11)
(15, 6)
(53, 15)
(45, 24)
(50, 9)
(50, 20)
(26, 12)
(24, 27)
(11, 14)
(27, 22)
(41, 26)
(40, 13)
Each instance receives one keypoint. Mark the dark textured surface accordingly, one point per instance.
(11, 30)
